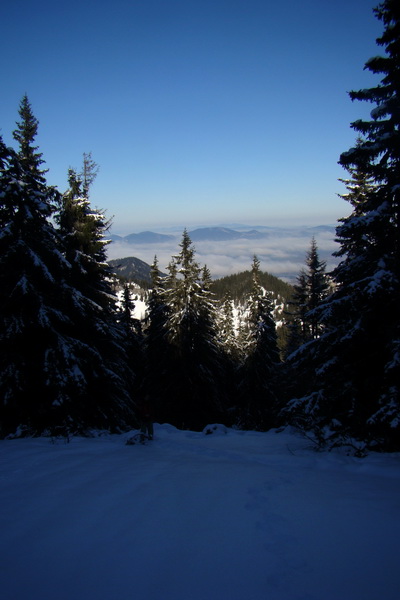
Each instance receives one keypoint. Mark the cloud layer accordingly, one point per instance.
(281, 253)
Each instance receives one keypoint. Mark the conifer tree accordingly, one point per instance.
(359, 185)
(230, 337)
(89, 173)
(297, 320)
(192, 333)
(105, 347)
(125, 312)
(159, 367)
(355, 389)
(317, 288)
(226, 328)
(310, 289)
(258, 374)
(132, 332)
(29, 157)
(38, 373)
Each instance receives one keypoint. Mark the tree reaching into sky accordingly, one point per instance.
(103, 358)
(83, 232)
(89, 173)
(37, 372)
(25, 134)
(376, 158)
(355, 390)
(192, 333)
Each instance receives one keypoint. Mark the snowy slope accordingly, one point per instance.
(227, 516)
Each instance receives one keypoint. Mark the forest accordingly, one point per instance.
(74, 360)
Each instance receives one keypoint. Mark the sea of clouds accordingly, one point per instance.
(282, 252)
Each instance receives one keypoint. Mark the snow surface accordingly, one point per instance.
(228, 516)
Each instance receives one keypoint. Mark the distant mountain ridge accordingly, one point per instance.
(220, 234)
(144, 237)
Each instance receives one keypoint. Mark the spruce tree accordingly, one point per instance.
(192, 333)
(132, 333)
(105, 347)
(355, 389)
(126, 310)
(159, 373)
(37, 370)
(258, 373)
(28, 155)
(370, 243)
(226, 328)
(296, 314)
(310, 289)
(318, 288)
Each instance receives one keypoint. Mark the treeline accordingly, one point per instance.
(238, 285)
(71, 359)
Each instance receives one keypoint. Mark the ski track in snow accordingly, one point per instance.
(235, 516)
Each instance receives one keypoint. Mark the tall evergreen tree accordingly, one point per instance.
(192, 333)
(317, 288)
(356, 364)
(126, 310)
(28, 155)
(258, 373)
(296, 314)
(37, 367)
(303, 322)
(226, 328)
(309, 291)
(159, 367)
(132, 333)
(105, 347)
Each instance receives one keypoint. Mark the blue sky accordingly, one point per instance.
(197, 112)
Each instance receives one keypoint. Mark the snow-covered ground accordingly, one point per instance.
(226, 516)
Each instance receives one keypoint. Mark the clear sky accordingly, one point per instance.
(198, 112)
